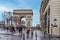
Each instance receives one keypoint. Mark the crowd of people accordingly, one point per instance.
(19, 29)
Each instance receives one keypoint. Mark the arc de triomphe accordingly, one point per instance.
(26, 13)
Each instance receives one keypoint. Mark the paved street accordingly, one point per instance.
(17, 37)
(9, 37)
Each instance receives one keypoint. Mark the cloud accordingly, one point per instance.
(2, 8)
(15, 4)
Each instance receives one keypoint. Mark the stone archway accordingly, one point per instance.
(26, 13)
(23, 20)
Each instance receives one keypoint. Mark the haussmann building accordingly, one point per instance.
(50, 17)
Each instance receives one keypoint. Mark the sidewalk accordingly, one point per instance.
(46, 36)
(5, 33)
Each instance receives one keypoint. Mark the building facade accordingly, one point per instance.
(50, 16)
(2, 24)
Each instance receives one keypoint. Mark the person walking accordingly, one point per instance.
(28, 31)
(7, 28)
(20, 30)
(32, 34)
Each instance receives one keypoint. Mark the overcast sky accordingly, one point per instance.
(9, 5)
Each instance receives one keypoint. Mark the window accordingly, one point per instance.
(55, 19)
